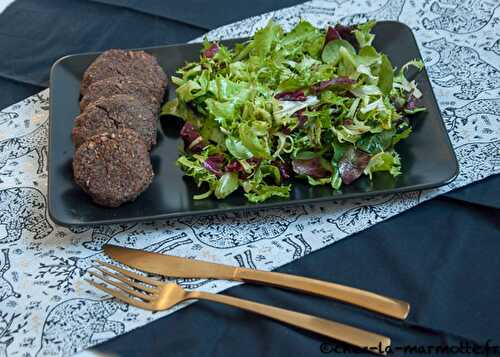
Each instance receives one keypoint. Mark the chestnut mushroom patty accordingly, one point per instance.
(118, 63)
(122, 85)
(113, 168)
(116, 112)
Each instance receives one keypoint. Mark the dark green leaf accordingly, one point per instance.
(375, 143)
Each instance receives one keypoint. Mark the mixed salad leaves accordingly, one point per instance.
(321, 105)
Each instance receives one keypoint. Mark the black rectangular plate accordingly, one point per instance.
(427, 156)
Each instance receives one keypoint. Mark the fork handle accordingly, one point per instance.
(362, 298)
(352, 335)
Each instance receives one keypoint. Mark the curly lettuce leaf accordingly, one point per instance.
(384, 161)
(266, 37)
(254, 142)
(263, 192)
(363, 34)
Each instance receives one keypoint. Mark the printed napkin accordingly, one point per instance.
(47, 309)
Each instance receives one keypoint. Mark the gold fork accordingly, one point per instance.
(150, 294)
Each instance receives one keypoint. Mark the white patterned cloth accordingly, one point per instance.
(46, 309)
(4, 4)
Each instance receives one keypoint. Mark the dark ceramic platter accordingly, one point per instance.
(427, 156)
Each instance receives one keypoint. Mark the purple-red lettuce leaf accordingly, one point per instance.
(297, 95)
(302, 119)
(284, 169)
(193, 141)
(211, 51)
(235, 166)
(214, 164)
(342, 82)
(313, 167)
(352, 164)
(347, 33)
(332, 34)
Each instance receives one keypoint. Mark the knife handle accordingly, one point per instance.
(362, 298)
(371, 341)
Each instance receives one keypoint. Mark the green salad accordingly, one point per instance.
(320, 105)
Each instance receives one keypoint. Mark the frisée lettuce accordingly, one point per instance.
(320, 105)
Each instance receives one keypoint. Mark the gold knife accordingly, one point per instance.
(187, 268)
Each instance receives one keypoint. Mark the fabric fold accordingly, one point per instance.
(194, 12)
(56, 28)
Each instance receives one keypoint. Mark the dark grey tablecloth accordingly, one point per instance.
(442, 256)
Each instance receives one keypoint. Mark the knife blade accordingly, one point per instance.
(168, 265)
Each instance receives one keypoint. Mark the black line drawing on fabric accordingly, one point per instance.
(460, 16)
(495, 47)
(36, 140)
(102, 234)
(229, 230)
(8, 329)
(23, 208)
(189, 283)
(322, 7)
(245, 261)
(299, 245)
(41, 98)
(391, 10)
(475, 114)
(6, 288)
(313, 220)
(61, 272)
(286, 17)
(477, 160)
(461, 66)
(7, 117)
(71, 325)
(173, 243)
(366, 215)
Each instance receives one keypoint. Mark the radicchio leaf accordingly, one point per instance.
(310, 167)
(211, 50)
(332, 34)
(339, 81)
(302, 118)
(193, 141)
(352, 164)
(284, 169)
(214, 164)
(346, 33)
(234, 166)
(297, 95)
(254, 161)
(412, 102)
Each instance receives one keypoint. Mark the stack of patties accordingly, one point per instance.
(121, 96)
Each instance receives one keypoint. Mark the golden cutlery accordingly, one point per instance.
(187, 268)
(150, 294)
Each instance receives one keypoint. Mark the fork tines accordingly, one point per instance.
(128, 290)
